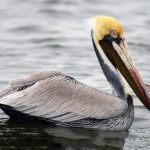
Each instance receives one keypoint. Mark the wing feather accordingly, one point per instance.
(27, 81)
(62, 98)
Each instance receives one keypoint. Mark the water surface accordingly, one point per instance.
(40, 35)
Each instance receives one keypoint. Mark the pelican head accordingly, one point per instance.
(108, 39)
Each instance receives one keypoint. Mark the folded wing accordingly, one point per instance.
(55, 96)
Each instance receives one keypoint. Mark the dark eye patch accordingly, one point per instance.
(117, 40)
(111, 39)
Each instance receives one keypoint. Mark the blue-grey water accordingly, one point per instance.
(40, 35)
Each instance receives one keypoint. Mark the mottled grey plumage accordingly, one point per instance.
(122, 122)
(56, 97)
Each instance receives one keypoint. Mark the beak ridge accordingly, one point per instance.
(117, 53)
(130, 73)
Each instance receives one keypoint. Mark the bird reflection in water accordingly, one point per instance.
(35, 136)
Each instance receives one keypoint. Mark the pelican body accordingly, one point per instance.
(58, 99)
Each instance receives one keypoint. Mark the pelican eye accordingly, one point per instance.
(114, 34)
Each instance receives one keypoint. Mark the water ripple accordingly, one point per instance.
(40, 35)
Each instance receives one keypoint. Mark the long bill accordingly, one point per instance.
(120, 58)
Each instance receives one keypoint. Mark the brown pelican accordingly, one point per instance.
(61, 100)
